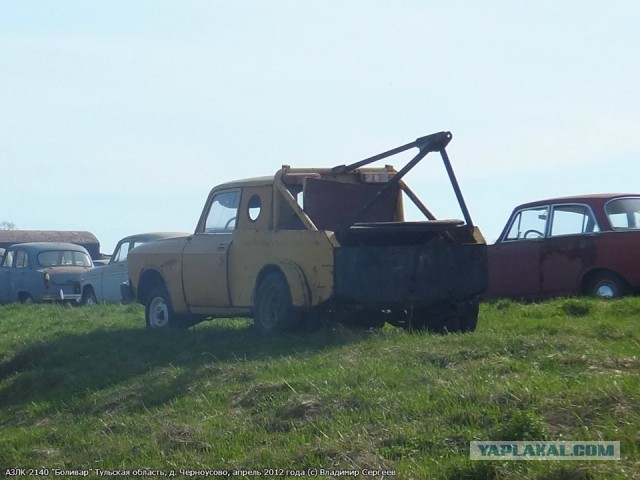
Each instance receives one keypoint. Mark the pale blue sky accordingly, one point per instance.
(118, 117)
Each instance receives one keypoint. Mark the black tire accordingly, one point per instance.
(89, 297)
(274, 310)
(608, 285)
(26, 299)
(468, 316)
(431, 319)
(312, 320)
(454, 318)
(158, 311)
(366, 319)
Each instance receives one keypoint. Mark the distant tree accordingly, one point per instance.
(7, 226)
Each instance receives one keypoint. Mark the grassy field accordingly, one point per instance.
(90, 388)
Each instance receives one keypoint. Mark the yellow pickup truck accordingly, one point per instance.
(308, 244)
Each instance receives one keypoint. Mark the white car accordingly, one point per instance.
(102, 283)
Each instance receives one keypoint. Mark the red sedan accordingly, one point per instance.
(584, 245)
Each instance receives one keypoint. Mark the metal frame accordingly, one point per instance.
(436, 142)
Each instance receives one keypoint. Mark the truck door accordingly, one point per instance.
(204, 259)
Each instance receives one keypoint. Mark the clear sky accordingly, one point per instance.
(118, 117)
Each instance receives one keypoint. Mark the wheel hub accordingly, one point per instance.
(159, 313)
(605, 290)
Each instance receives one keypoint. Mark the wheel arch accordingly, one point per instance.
(23, 295)
(296, 280)
(148, 280)
(588, 277)
(86, 288)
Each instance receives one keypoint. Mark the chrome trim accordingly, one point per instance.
(593, 215)
(512, 219)
(550, 212)
(67, 297)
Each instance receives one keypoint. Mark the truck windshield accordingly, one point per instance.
(63, 258)
(624, 213)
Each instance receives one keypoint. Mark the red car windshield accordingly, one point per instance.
(624, 213)
(63, 258)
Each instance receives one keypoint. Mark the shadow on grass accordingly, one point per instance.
(152, 367)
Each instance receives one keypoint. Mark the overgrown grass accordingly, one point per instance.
(91, 388)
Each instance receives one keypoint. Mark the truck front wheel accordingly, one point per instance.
(274, 310)
(158, 311)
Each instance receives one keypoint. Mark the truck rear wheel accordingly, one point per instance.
(368, 318)
(274, 310)
(468, 315)
(456, 318)
(158, 311)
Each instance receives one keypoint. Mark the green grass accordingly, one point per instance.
(91, 388)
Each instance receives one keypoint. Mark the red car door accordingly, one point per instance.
(569, 250)
(514, 269)
(562, 262)
(514, 260)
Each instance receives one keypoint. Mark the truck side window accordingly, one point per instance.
(255, 207)
(223, 212)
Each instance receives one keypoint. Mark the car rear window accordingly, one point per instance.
(63, 258)
(624, 213)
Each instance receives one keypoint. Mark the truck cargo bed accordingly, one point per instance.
(427, 271)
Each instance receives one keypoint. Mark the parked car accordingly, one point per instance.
(102, 283)
(583, 245)
(42, 272)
